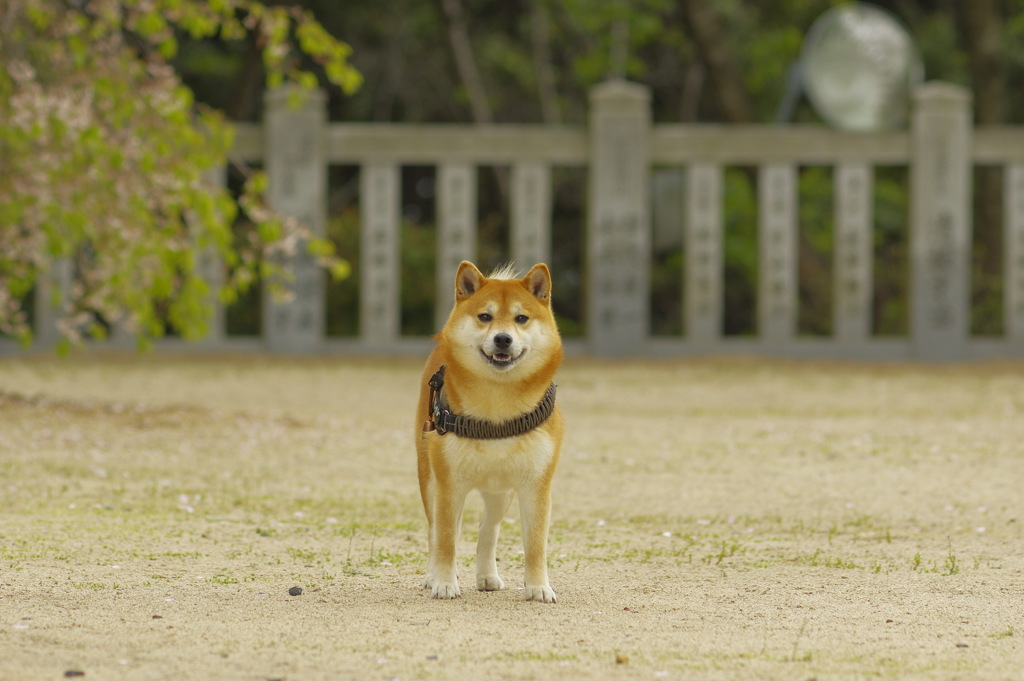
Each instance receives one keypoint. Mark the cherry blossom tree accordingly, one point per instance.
(103, 153)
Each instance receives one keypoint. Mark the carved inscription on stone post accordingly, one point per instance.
(210, 267)
(531, 213)
(853, 253)
(1013, 198)
(457, 228)
(618, 238)
(52, 290)
(703, 305)
(940, 222)
(777, 294)
(296, 172)
(379, 291)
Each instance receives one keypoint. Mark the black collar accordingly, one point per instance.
(444, 421)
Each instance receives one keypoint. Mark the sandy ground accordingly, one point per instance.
(726, 519)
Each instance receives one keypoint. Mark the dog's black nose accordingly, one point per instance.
(503, 341)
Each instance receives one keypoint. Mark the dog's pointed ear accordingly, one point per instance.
(468, 280)
(538, 282)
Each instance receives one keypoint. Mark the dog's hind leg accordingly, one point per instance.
(495, 506)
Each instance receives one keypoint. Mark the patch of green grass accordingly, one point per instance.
(727, 549)
(532, 656)
(90, 586)
(951, 565)
(167, 554)
(389, 558)
(310, 556)
(820, 559)
(224, 579)
(858, 542)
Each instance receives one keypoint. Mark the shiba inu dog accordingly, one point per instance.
(491, 423)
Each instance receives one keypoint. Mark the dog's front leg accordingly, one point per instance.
(444, 533)
(495, 506)
(535, 507)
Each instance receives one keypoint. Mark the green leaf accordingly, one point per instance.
(341, 270)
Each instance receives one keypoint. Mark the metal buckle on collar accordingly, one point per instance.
(444, 420)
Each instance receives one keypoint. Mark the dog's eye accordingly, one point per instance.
(484, 317)
(522, 319)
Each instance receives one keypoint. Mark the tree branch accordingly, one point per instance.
(465, 62)
(713, 48)
(980, 26)
(540, 36)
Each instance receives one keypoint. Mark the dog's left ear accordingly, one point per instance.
(468, 280)
(538, 282)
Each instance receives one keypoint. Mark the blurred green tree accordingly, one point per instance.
(104, 153)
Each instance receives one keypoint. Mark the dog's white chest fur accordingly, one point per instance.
(498, 465)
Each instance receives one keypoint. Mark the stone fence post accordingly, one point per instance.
(618, 224)
(940, 222)
(210, 267)
(295, 126)
(52, 290)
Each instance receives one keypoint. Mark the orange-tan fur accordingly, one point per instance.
(477, 385)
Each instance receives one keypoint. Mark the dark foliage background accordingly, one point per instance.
(534, 61)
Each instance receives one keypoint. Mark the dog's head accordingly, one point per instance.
(503, 324)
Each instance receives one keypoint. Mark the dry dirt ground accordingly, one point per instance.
(726, 519)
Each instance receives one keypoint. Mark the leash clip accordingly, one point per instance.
(435, 420)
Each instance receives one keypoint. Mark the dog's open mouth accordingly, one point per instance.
(502, 360)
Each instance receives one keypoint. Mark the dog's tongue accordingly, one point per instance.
(502, 357)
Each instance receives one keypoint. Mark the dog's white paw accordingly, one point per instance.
(489, 583)
(445, 590)
(542, 593)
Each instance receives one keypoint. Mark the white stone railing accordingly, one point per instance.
(619, 148)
